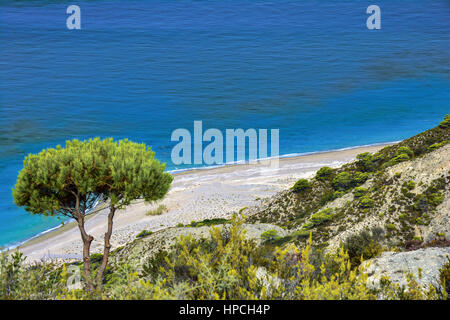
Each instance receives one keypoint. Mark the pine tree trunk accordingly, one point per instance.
(107, 246)
(87, 240)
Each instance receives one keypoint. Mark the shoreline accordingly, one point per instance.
(215, 191)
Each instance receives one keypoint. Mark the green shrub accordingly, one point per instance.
(445, 274)
(179, 225)
(359, 192)
(301, 185)
(270, 236)
(302, 233)
(410, 185)
(404, 150)
(321, 217)
(343, 181)
(324, 173)
(360, 177)
(96, 257)
(391, 227)
(364, 245)
(338, 194)
(437, 145)
(143, 234)
(446, 122)
(208, 222)
(365, 202)
(397, 159)
(425, 202)
(420, 221)
(365, 162)
(436, 198)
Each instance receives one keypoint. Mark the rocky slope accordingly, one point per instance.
(424, 264)
(401, 193)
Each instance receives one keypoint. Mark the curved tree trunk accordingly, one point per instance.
(87, 240)
(107, 246)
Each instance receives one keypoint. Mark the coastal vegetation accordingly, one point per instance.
(319, 239)
(227, 265)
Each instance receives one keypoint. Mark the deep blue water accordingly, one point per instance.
(140, 69)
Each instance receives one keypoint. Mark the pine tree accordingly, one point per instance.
(70, 181)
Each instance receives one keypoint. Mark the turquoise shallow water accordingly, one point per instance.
(140, 69)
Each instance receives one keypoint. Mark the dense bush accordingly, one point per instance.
(446, 122)
(359, 192)
(365, 162)
(404, 150)
(343, 181)
(364, 245)
(269, 235)
(324, 173)
(321, 217)
(346, 180)
(366, 202)
(301, 185)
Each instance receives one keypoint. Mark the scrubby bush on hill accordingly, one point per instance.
(301, 185)
(324, 173)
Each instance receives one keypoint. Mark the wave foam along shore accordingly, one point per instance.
(194, 196)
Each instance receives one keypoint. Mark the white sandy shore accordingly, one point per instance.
(194, 196)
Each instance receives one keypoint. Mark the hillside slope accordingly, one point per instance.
(399, 194)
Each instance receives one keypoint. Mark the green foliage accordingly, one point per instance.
(391, 227)
(445, 124)
(359, 192)
(69, 181)
(429, 200)
(338, 194)
(324, 173)
(420, 221)
(365, 162)
(225, 266)
(397, 159)
(143, 234)
(437, 145)
(366, 202)
(158, 211)
(270, 235)
(302, 233)
(343, 181)
(364, 245)
(301, 185)
(35, 281)
(410, 185)
(360, 178)
(346, 180)
(121, 171)
(444, 275)
(404, 150)
(208, 222)
(321, 217)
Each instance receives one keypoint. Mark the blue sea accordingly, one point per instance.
(141, 69)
